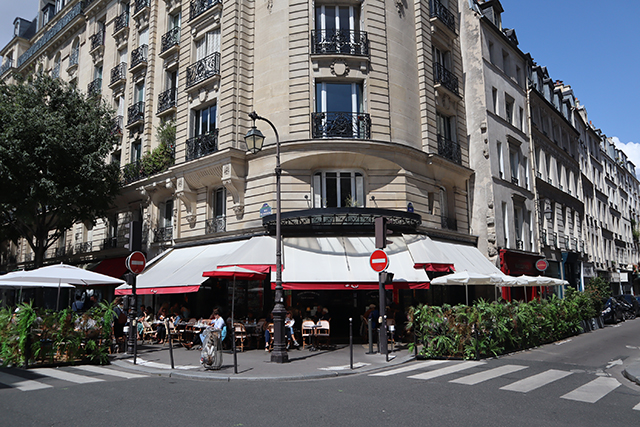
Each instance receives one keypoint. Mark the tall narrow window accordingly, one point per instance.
(517, 222)
(445, 126)
(338, 189)
(338, 26)
(508, 108)
(136, 151)
(217, 223)
(205, 120)
(340, 105)
(500, 159)
(505, 225)
(494, 98)
(514, 156)
(208, 45)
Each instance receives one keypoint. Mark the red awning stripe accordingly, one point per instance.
(114, 267)
(435, 267)
(160, 290)
(258, 268)
(337, 286)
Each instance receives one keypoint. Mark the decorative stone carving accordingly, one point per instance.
(235, 187)
(339, 68)
(189, 198)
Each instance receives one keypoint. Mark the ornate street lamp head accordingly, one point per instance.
(254, 139)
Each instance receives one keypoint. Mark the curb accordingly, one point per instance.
(635, 376)
(207, 375)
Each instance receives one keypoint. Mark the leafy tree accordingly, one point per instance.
(54, 144)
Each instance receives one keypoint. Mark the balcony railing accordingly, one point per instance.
(84, 247)
(170, 39)
(135, 113)
(341, 125)
(519, 244)
(73, 57)
(449, 149)
(95, 87)
(574, 244)
(141, 4)
(448, 222)
(61, 251)
(162, 234)
(121, 22)
(442, 12)
(8, 64)
(515, 180)
(203, 69)
(198, 7)
(139, 56)
(339, 42)
(215, 225)
(445, 77)
(543, 237)
(201, 145)
(136, 171)
(119, 72)
(46, 38)
(166, 100)
(97, 40)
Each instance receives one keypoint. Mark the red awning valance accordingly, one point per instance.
(335, 286)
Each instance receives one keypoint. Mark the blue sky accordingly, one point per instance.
(590, 45)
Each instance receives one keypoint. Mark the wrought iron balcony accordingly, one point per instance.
(554, 239)
(139, 56)
(449, 149)
(515, 180)
(170, 39)
(339, 42)
(201, 145)
(109, 243)
(215, 225)
(121, 22)
(118, 73)
(198, 7)
(519, 244)
(166, 100)
(445, 78)
(341, 125)
(162, 234)
(135, 113)
(442, 12)
(203, 69)
(97, 40)
(8, 64)
(95, 87)
(448, 223)
(60, 252)
(84, 247)
(543, 237)
(141, 4)
(73, 57)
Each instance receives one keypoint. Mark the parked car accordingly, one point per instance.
(612, 312)
(633, 301)
(628, 310)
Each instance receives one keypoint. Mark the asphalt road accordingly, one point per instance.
(573, 383)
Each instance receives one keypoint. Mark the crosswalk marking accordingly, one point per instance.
(106, 371)
(21, 383)
(489, 374)
(637, 407)
(445, 371)
(536, 381)
(593, 391)
(66, 376)
(408, 368)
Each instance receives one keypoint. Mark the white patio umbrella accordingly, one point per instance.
(18, 285)
(61, 273)
(470, 278)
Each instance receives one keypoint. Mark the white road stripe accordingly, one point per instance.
(536, 381)
(637, 407)
(445, 371)
(408, 368)
(157, 365)
(487, 375)
(105, 371)
(593, 391)
(66, 376)
(21, 383)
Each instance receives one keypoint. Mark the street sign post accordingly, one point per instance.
(136, 262)
(379, 261)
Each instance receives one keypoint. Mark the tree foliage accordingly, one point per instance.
(54, 145)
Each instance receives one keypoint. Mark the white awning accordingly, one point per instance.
(467, 258)
(180, 270)
(426, 254)
(342, 263)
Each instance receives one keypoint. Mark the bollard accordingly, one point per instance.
(351, 341)
(369, 323)
(475, 332)
(166, 325)
(415, 342)
(386, 340)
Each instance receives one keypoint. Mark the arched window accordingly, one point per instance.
(55, 71)
(75, 53)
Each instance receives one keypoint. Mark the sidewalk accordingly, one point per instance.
(256, 365)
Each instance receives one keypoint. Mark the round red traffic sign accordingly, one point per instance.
(542, 264)
(379, 261)
(136, 262)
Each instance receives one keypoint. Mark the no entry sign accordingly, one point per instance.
(379, 261)
(542, 264)
(136, 262)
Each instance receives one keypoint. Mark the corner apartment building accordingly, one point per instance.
(366, 98)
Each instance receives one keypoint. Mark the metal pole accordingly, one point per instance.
(166, 326)
(351, 341)
(233, 326)
(382, 336)
(370, 329)
(386, 340)
(279, 353)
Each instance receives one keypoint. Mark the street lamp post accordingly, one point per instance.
(254, 140)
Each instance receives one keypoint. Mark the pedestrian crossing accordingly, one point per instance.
(44, 378)
(591, 392)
